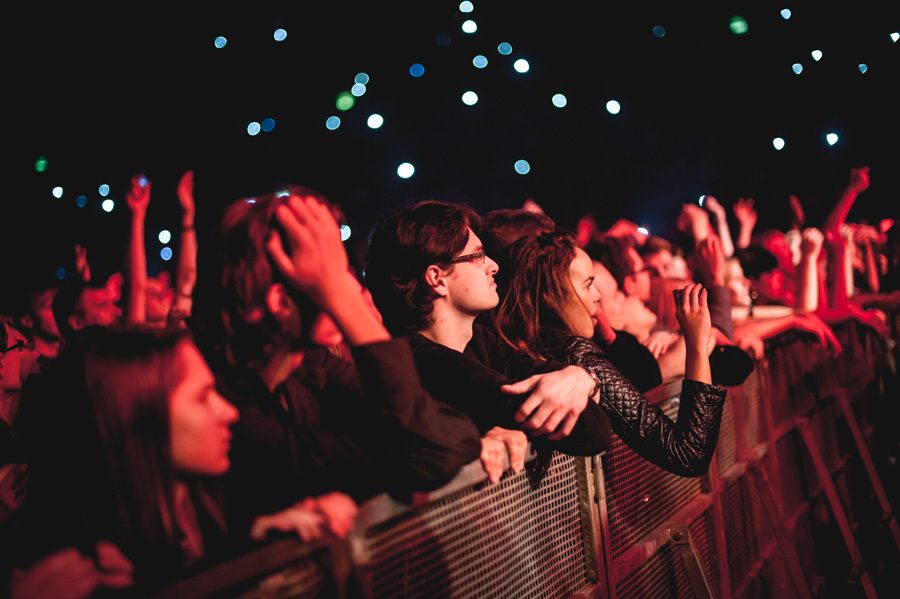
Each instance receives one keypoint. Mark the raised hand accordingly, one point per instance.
(744, 212)
(711, 260)
(624, 228)
(497, 445)
(317, 263)
(713, 205)
(798, 217)
(138, 195)
(692, 313)
(859, 179)
(585, 230)
(82, 266)
(694, 221)
(811, 243)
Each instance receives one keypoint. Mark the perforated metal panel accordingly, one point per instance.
(750, 417)
(702, 535)
(726, 446)
(640, 495)
(524, 537)
(661, 576)
(740, 530)
(790, 475)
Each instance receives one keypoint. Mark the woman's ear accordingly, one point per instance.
(434, 277)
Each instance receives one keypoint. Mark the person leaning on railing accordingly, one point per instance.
(550, 311)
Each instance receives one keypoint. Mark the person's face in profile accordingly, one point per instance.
(199, 418)
(583, 299)
(98, 308)
(470, 282)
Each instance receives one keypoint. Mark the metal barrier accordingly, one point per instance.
(618, 526)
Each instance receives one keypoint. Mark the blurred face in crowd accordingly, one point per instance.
(470, 282)
(97, 307)
(775, 286)
(637, 282)
(776, 243)
(584, 298)
(680, 269)
(199, 418)
(42, 323)
(611, 299)
(662, 262)
(737, 283)
(160, 297)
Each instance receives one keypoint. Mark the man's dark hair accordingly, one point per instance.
(612, 253)
(655, 244)
(501, 228)
(402, 246)
(755, 260)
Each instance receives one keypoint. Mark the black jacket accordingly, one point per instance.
(684, 447)
(362, 429)
(471, 381)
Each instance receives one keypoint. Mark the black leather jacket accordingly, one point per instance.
(684, 447)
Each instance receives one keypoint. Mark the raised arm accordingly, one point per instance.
(138, 198)
(808, 271)
(317, 265)
(746, 215)
(713, 205)
(859, 182)
(186, 269)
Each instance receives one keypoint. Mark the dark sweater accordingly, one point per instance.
(471, 381)
(361, 429)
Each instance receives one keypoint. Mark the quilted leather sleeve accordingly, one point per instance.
(683, 447)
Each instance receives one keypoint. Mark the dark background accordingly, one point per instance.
(103, 95)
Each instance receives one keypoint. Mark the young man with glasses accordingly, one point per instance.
(430, 279)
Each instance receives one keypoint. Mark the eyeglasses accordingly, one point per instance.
(477, 257)
(17, 345)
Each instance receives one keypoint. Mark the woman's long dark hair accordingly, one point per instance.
(537, 291)
(102, 466)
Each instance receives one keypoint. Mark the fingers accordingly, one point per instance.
(492, 454)
(116, 570)
(516, 445)
(535, 422)
(295, 224)
(565, 429)
(522, 387)
(339, 512)
(277, 253)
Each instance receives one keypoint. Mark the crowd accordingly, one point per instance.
(152, 425)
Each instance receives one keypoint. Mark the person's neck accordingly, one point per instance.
(450, 329)
(279, 366)
(9, 405)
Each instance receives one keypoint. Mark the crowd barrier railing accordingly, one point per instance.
(793, 466)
